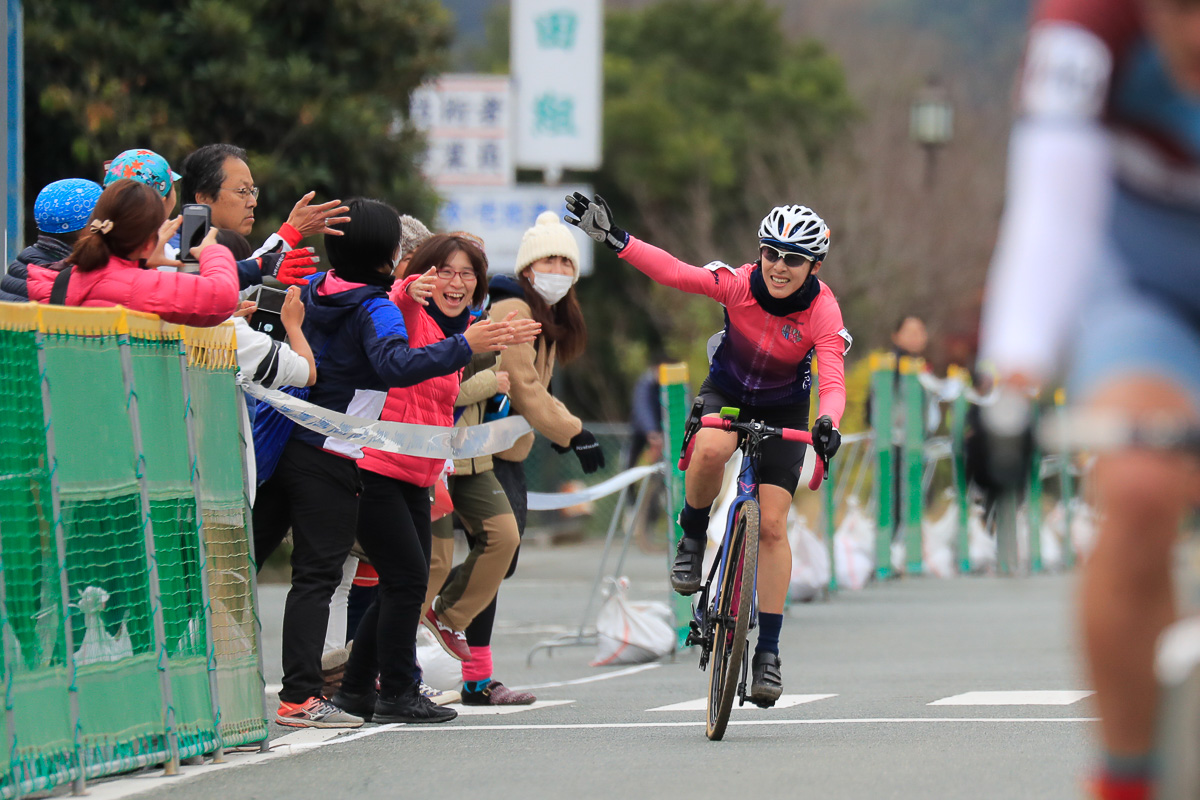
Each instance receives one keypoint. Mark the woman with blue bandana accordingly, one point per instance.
(61, 210)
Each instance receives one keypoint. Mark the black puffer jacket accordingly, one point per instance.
(45, 252)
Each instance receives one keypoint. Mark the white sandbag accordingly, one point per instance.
(1054, 528)
(1083, 528)
(632, 633)
(810, 561)
(854, 548)
(937, 542)
(438, 668)
(98, 644)
(981, 546)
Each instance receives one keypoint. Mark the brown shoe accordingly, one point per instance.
(452, 641)
(497, 694)
(333, 667)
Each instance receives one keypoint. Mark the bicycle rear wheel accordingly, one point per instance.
(733, 618)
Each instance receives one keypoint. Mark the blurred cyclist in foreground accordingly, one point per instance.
(1100, 252)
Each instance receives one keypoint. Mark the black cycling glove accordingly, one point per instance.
(594, 218)
(826, 438)
(587, 450)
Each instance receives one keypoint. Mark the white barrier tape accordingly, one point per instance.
(541, 501)
(424, 441)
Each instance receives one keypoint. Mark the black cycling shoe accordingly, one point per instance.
(360, 704)
(767, 684)
(410, 708)
(689, 560)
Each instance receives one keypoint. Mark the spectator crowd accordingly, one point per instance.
(401, 324)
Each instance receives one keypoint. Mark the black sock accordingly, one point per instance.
(694, 522)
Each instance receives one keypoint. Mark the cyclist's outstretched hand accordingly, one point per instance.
(587, 450)
(594, 218)
(826, 438)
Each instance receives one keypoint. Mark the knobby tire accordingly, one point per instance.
(729, 647)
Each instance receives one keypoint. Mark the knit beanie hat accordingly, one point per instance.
(413, 234)
(548, 237)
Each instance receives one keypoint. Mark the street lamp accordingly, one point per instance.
(931, 123)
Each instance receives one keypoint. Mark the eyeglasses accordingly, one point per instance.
(243, 192)
(466, 275)
(771, 255)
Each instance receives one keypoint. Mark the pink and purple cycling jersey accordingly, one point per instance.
(764, 360)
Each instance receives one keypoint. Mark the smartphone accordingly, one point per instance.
(197, 219)
(267, 317)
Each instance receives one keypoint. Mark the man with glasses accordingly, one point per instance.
(777, 316)
(218, 176)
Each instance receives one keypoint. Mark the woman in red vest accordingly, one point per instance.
(447, 275)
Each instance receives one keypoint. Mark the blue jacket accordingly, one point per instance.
(361, 346)
(45, 251)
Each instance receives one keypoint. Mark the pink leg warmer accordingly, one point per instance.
(479, 668)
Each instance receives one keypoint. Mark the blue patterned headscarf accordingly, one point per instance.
(65, 206)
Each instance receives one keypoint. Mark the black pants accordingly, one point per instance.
(316, 495)
(394, 531)
(511, 475)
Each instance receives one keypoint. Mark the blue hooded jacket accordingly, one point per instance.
(361, 346)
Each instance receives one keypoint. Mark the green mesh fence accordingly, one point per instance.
(162, 406)
(215, 401)
(38, 743)
(121, 507)
(121, 719)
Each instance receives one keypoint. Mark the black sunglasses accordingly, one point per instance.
(771, 254)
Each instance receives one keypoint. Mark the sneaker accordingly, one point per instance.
(497, 694)
(767, 684)
(360, 704)
(315, 712)
(410, 708)
(437, 696)
(452, 641)
(689, 560)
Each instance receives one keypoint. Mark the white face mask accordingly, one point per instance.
(551, 287)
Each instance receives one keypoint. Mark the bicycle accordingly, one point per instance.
(722, 620)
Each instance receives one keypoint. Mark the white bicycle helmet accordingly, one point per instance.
(796, 228)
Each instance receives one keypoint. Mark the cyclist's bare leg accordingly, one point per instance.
(1127, 592)
(774, 552)
(702, 481)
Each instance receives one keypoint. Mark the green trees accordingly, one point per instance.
(702, 99)
(309, 87)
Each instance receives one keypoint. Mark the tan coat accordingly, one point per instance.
(530, 367)
(479, 384)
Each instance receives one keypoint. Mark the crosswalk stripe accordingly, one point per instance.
(1019, 698)
(785, 701)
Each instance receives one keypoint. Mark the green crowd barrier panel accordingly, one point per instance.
(676, 399)
(109, 655)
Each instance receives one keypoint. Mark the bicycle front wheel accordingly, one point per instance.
(733, 618)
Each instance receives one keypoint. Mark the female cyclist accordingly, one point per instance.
(777, 315)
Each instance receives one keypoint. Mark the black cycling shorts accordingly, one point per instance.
(779, 462)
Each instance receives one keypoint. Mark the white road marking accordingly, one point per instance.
(784, 701)
(590, 679)
(1035, 698)
(483, 711)
(584, 726)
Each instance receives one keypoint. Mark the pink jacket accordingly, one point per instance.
(430, 402)
(182, 298)
(763, 359)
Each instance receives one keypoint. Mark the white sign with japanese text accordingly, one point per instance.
(500, 216)
(557, 51)
(466, 120)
